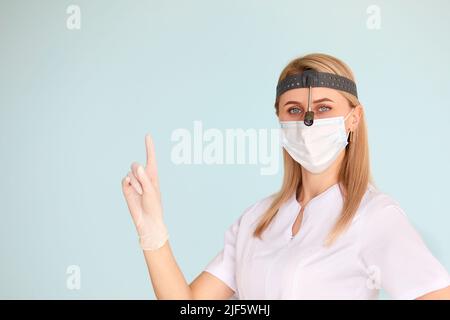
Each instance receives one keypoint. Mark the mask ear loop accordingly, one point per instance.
(309, 116)
(350, 133)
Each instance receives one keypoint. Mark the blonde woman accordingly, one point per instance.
(328, 233)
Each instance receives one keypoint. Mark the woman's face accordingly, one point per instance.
(325, 103)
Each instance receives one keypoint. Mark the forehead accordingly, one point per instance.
(301, 95)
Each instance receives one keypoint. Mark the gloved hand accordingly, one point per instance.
(141, 190)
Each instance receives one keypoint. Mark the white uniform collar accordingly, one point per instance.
(326, 194)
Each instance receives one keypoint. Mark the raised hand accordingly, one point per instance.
(141, 190)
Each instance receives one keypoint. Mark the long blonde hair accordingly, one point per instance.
(354, 174)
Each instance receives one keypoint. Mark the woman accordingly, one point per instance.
(327, 234)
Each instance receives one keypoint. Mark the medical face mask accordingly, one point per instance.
(315, 147)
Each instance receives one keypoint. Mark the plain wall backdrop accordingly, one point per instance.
(75, 105)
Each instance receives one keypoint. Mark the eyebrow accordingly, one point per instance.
(315, 101)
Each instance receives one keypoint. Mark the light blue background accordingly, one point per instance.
(75, 106)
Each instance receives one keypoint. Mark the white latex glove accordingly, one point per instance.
(141, 190)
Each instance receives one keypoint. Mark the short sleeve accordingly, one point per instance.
(223, 265)
(391, 245)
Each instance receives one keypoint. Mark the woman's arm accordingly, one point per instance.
(441, 294)
(207, 287)
(166, 277)
(141, 190)
(169, 283)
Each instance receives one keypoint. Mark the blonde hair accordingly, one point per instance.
(354, 173)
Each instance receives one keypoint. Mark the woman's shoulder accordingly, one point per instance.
(257, 208)
(260, 205)
(376, 197)
(378, 205)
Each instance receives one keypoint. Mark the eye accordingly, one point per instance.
(295, 110)
(324, 108)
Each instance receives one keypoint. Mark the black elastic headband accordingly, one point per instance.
(312, 78)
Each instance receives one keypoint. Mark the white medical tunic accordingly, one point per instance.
(380, 249)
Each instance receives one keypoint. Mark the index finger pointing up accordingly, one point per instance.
(151, 167)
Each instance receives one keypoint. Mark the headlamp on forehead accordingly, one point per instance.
(311, 78)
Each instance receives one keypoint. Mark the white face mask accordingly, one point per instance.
(315, 147)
